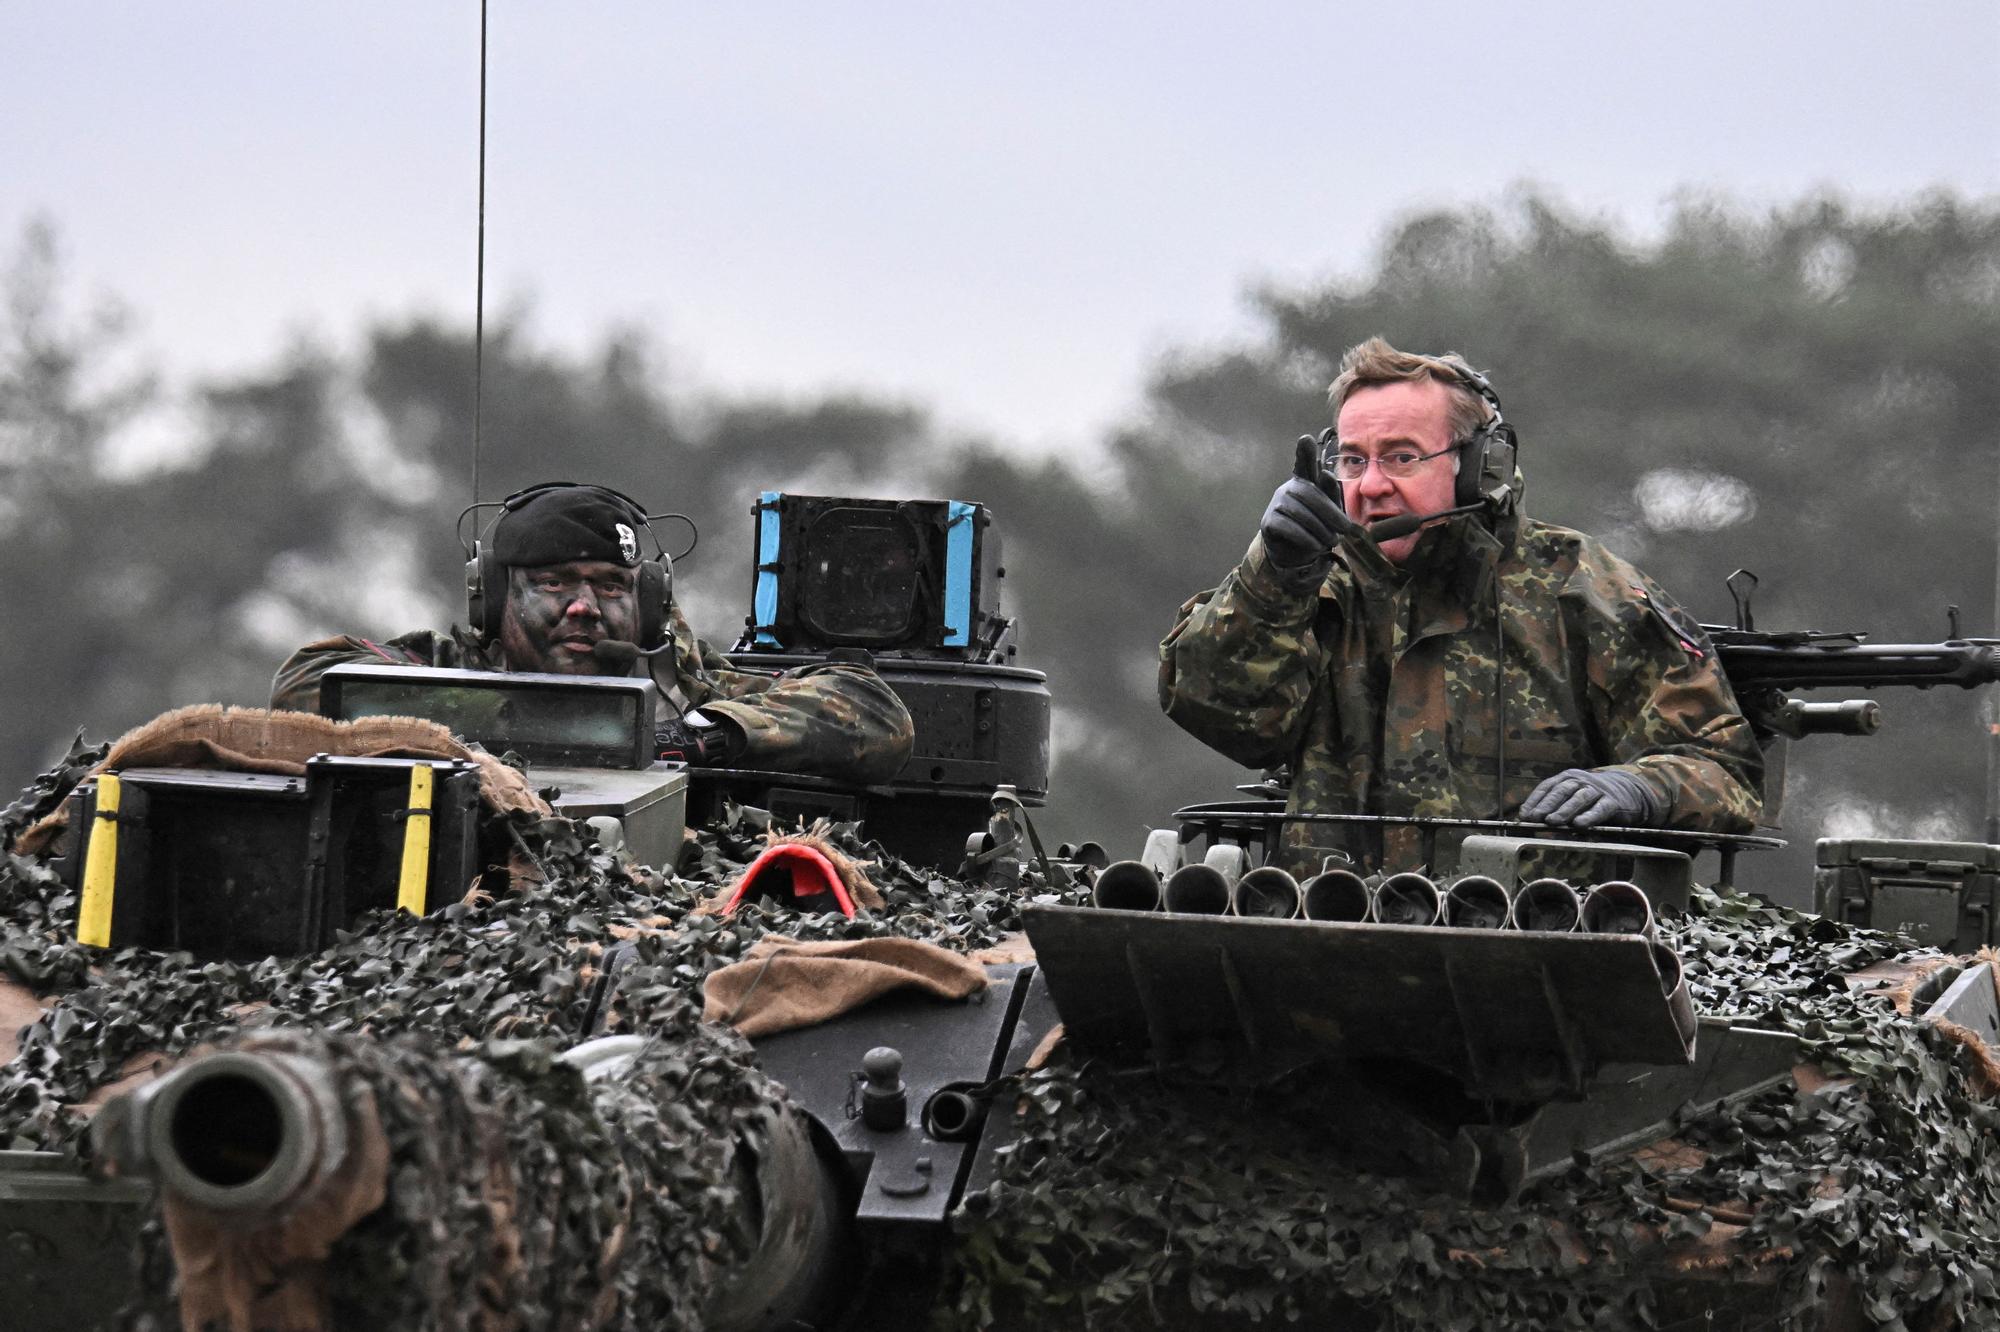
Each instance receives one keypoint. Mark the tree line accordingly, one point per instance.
(1805, 391)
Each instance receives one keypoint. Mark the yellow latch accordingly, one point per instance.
(414, 887)
(100, 866)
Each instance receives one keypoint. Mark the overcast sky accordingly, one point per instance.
(1003, 210)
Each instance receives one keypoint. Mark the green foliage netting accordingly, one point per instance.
(1806, 392)
(1126, 1201)
(452, 1021)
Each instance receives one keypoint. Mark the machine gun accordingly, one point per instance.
(1944, 894)
(1764, 666)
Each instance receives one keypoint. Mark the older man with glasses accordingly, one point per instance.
(1411, 643)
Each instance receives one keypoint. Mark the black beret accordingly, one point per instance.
(568, 523)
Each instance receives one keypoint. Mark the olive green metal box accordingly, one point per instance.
(1941, 894)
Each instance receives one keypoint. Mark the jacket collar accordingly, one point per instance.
(1449, 573)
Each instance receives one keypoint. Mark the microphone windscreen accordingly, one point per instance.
(1390, 528)
(613, 653)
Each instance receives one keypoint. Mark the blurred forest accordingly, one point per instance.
(1808, 392)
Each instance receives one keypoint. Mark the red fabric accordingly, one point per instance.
(809, 874)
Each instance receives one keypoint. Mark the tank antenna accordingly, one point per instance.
(479, 272)
(1991, 831)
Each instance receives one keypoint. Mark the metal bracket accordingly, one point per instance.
(1666, 877)
(1741, 584)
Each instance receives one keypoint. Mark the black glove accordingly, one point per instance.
(698, 741)
(1586, 797)
(1303, 523)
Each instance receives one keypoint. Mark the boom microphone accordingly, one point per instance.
(1405, 523)
(613, 652)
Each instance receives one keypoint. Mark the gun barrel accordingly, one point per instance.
(1856, 716)
(1757, 665)
(233, 1132)
(245, 1142)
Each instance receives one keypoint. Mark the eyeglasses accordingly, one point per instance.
(1397, 464)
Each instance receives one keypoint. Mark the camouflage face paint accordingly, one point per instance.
(557, 612)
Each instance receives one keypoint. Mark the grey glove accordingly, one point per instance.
(1586, 797)
(1303, 522)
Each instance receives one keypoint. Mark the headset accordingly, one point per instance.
(486, 577)
(1486, 461)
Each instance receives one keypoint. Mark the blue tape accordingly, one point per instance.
(766, 601)
(958, 574)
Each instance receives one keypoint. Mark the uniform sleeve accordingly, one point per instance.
(838, 720)
(1239, 668)
(295, 687)
(1662, 703)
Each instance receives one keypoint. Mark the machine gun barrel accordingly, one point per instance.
(1856, 716)
(1759, 661)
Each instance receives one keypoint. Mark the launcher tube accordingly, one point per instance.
(1547, 906)
(1197, 890)
(1617, 907)
(1126, 885)
(1407, 899)
(1336, 895)
(1476, 902)
(1266, 891)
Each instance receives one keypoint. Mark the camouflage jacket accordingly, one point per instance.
(1380, 689)
(837, 720)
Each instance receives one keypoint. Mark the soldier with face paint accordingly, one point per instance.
(574, 579)
(1473, 664)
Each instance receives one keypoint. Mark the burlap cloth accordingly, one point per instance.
(785, 983)
(209, 735)
(861, 890)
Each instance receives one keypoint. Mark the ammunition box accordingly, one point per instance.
(244, 865)
(1941, 894)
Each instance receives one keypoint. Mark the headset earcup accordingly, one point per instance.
(1486, 469)
(485, 593)
(475, 595)
(656, 594)
(1472, 470)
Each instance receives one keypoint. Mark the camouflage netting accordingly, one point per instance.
(504, 984)
(1125, 1202)
(1880, 1186)
(517, 1198)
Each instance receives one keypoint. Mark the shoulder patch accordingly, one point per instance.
(1680, 627)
